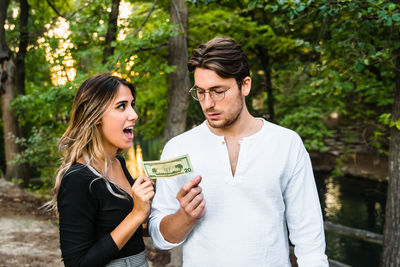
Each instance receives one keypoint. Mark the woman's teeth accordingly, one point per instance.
(128, 129)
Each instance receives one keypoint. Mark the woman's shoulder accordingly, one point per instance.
(78, 190)
(78, 174)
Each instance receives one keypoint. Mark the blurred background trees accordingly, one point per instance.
(326, 69)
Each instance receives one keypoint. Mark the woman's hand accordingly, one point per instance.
(142, 193)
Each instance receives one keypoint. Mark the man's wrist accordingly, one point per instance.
(186, 218)
(175, 227)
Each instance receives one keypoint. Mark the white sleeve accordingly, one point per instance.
(303, 214)
(164, 203)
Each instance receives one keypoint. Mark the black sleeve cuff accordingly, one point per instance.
(109, 246)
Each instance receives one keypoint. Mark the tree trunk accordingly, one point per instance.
(111, 30)
(179, 82)
(391, 233)
(23, 170)
(8, 75)
(9, 121)
(23, 44)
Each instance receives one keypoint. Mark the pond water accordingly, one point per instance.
(353, 202)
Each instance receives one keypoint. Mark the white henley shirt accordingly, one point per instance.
(248, 215)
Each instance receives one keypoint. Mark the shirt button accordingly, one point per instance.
(223, 142)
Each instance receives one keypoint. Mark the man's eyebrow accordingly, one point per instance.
(212, 87)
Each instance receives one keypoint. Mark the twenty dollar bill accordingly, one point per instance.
(168, 168)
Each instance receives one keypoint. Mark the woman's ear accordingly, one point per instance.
(246, 86)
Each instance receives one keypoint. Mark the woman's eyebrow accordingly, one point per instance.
(121, 102)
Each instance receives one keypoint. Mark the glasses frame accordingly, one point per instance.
(193, 93)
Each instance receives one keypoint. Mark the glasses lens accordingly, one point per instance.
(217, 95)
(193, 92)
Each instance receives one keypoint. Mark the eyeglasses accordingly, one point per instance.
(217, 94)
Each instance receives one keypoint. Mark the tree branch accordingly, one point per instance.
(66, 15)
(79, 9)
(42, 30)
(146, 49)
(54, 9)
(145, 19)
(149, 48)
(139, 28)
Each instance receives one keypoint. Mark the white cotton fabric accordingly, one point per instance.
(247, 215)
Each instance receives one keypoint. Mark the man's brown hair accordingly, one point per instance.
(222, 55)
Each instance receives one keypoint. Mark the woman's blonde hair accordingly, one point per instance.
(83, 137)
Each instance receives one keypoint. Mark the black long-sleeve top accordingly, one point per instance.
(88, 214)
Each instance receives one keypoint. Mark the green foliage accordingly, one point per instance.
(140, 56)
(307, 122)
(387, 120)
(47, 114)
(325, 58)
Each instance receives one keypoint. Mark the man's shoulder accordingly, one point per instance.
(184, 142)
(189, 135)
(280, 131)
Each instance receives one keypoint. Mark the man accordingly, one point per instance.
(256, 177)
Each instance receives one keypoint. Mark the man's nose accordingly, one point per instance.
(208, 101)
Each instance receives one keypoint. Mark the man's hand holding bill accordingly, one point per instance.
(176, 226)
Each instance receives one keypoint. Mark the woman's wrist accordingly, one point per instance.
(140, 215)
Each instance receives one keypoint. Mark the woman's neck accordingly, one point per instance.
(99, 164)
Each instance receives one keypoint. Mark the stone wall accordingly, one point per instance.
(360, 164)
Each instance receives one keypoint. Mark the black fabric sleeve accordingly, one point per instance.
(77, 208)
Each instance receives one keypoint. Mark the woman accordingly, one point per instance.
(101, 208)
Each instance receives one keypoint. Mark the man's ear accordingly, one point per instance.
(246, 86)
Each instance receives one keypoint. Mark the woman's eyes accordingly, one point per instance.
(122, 106)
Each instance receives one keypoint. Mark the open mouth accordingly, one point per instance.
(128, 131)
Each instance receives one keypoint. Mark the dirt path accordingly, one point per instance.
(29, 237)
